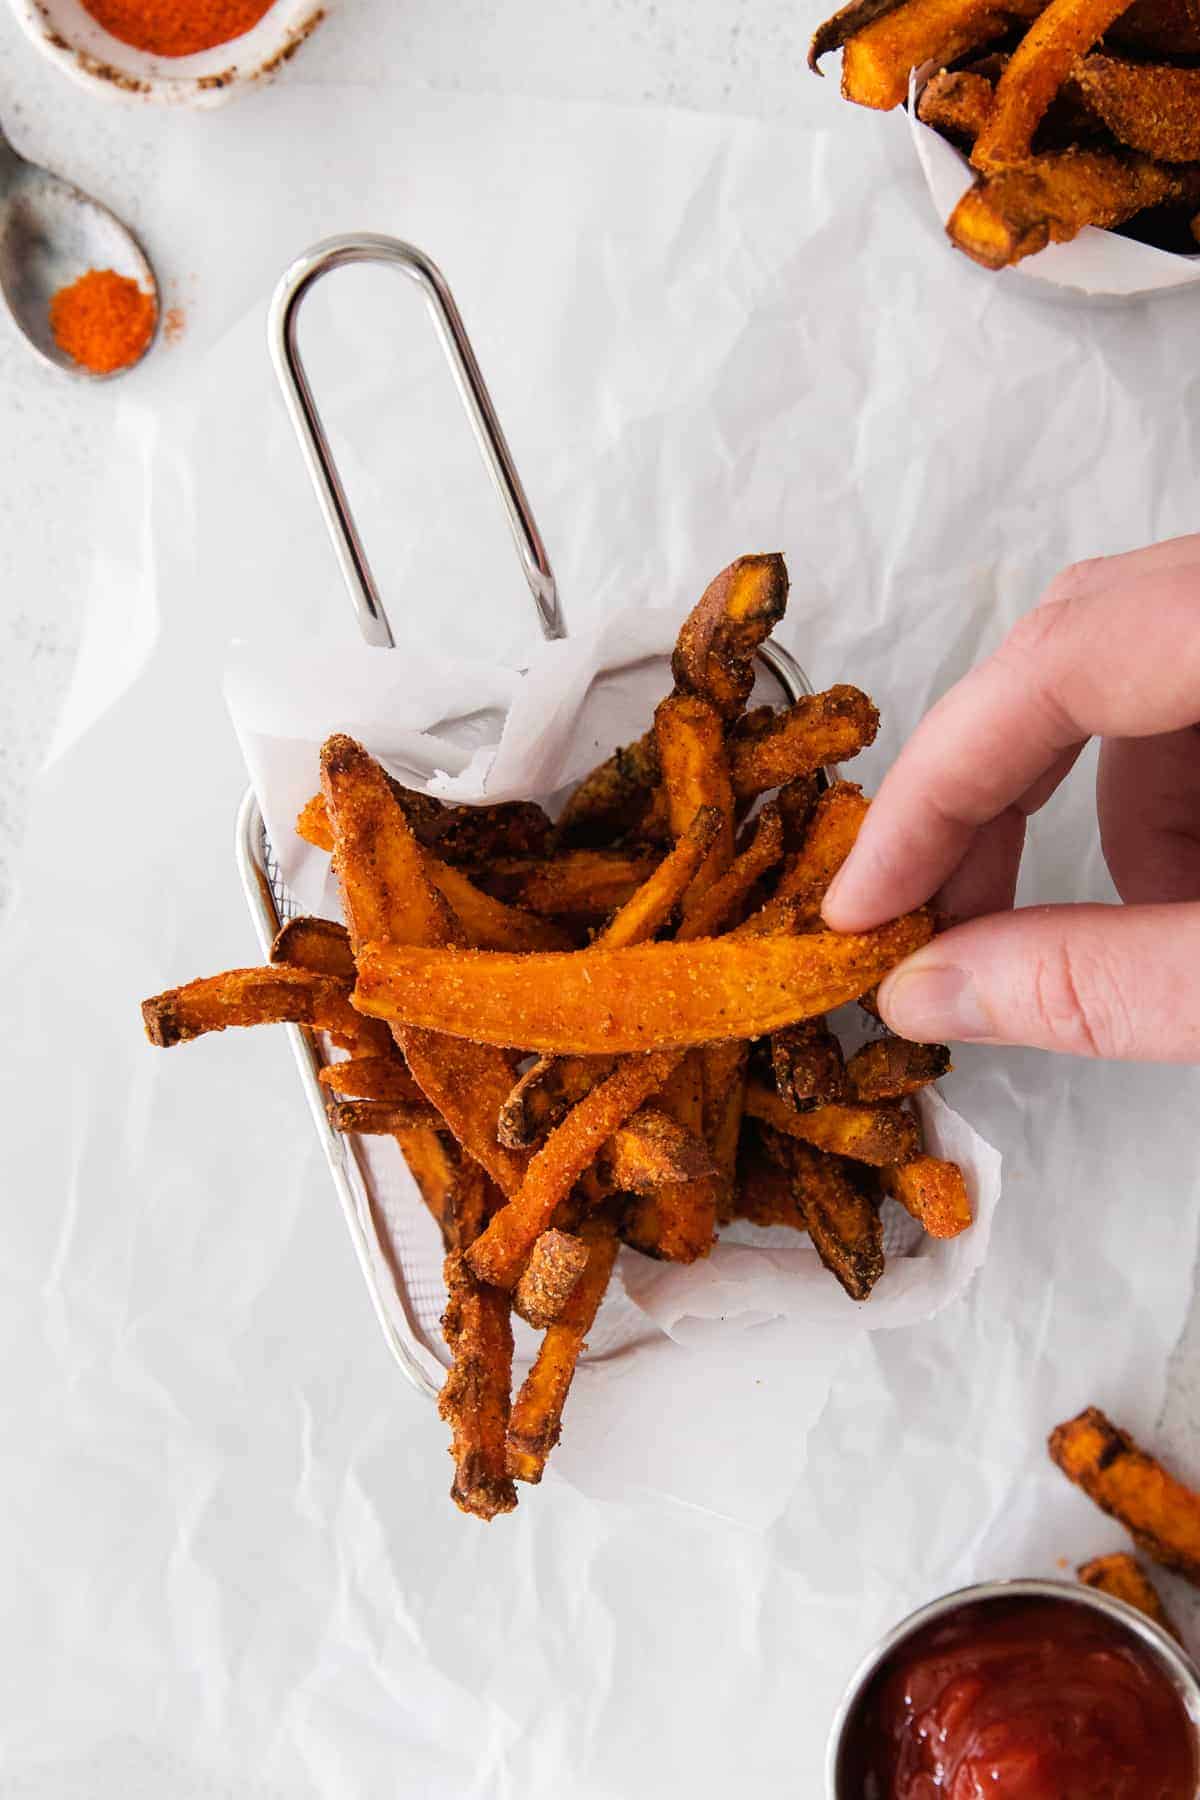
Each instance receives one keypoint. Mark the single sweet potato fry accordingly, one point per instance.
(1046, 55)
(714, 652)
(321, 945)
(721, 903)
(489, 923)
(877, 60)
(842, 1221)
(675, 1223)
(1122, 1576)
(878, 1135)
(835, 824)
(808, 1065)
(891, 1068)
(817, 729)
(1160, 1514)
(602, 1001)
(499, 1255)
(581, 884)
(274, 995)
(649, 1150)
(312, 823)
(653, 903)
(437, 1166)
(536, 1423)
(555, 1264)
(474, 1400)
(613, 801)
(1152, 107)
(371, 1078)
(766, 1193)
(1049, 199)
(958, 102)
(382, 1118)
(844, 24)
(695, 767)
(933, 1191)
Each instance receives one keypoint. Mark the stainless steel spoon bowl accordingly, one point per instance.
(50, 234)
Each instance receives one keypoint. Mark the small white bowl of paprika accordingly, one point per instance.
(174, 52)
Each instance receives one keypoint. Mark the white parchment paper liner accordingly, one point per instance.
(1096, 264)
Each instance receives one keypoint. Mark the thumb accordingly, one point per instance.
(1113, 981)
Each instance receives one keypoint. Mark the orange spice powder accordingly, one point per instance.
(103, 321)
(176, 27)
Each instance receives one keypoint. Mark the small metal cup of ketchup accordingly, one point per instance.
(1020, 1690)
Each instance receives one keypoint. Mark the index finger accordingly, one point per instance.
(1122, 661)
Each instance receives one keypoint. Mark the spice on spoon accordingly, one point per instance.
(176, 27)
(103, 321)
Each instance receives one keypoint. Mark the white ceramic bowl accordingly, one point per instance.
(73, 40)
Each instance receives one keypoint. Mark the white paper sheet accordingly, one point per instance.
(230, 1560)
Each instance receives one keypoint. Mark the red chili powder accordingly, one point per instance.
(176, 27)
(103, 321)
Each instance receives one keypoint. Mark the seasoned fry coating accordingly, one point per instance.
(1039, 65)
(382, 1118)
(695, 766)
(724, 1068)
(435, 1164)
(835, 824)
(555, 1264)
(474, 1400)
(1159, 28)
(588, 884)
(656, 899)
(371, 1078)
(841, 1219)
(312, 823)
(650, 1150)
(386, 893)
(321, 945)
(817, 729)
(891, 1068)
(275, 995)
(796, 800)
(536, 1423)
(598, 1001)
(1152, 107)
(877, 60)
(956, 101)
(1122, 1576)
(1160, 1514)
(808, 1065)
(720, 904)
(499, 1255)
(933, 1191)
(870, 1134)
(714, 652)
(546, 1093)
(844, 24)
(464, 836)
(675, 1223)
(1009, 216)
(488, 923)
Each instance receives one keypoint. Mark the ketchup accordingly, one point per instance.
(1021, 1699)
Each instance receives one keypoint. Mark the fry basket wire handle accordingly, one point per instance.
(282, 337)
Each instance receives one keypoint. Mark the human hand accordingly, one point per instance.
(1113, 650)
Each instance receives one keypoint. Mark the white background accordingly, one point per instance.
(231, 1566)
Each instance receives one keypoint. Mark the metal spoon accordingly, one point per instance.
(51, 233)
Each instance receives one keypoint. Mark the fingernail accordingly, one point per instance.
(933, 1004)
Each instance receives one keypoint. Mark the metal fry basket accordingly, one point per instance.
(396, 1242)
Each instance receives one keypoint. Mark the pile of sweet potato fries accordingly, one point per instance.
(1079, 112)
(609, 1029)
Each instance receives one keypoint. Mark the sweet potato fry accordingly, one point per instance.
(957, 102)
(536, 1423)
(649, 1150)
(386, 893)
(474, 1400)
(843, 25)
(371, 1078)
(724, 1069)
(1160, 1514)
(796, 800)
(555, 1264)
(878, 1135)
(1152, 107)
(877, 60)
(545, 1094)
(599, 1001)
(891, 1068)
(933, 1191)
(1011, 215)
(766, 1194)
(464, 836)
(817, 729)
(1039, 65)
(382, 1118)
(612, 802)
(275, 995)
(676, 1221)
(841, 1219)
(695, 766)
(489, 923)
(714, 652)
(499, 1255)
(653, 903)
(312, 823)
(436, 1165)
(808, 1065)
(836, 821)
(584, 884)
(1122, 1576)
(321, 945)
(719, 904)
